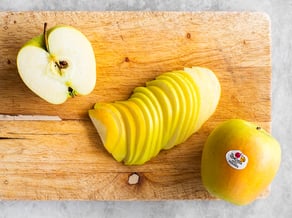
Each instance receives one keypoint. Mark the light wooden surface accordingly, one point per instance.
(65, 159)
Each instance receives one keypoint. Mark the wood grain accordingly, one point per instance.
(65, 159)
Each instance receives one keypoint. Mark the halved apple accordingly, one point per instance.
(58, 64)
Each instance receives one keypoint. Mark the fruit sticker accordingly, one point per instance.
(236, 159)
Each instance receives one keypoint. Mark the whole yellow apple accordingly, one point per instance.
(239, 161)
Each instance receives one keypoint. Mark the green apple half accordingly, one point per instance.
(58, 64)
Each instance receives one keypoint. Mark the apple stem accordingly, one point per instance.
(60, 64)
(46, 37)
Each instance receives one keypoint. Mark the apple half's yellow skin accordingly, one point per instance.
(38, 64)
(252, 175)
(164, 113)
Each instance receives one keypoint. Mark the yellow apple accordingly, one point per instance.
(239, 161)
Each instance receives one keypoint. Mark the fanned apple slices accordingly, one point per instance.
(159, 116)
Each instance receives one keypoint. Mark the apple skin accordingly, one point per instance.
(239, 186)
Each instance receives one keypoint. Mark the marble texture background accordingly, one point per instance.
(278, 204)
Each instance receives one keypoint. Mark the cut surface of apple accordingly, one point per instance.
(108, 122)
(58, 64)
(164, 113)
(209, 91)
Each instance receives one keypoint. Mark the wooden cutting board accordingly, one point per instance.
(41, 159)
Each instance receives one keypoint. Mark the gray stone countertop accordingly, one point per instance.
(278, 204)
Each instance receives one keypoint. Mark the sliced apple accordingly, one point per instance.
(164, 113)
(157, 127)
(150, 132)
(185, 100)
(141, 137)
(130, 127)
(196, 96)
(167, 112)
(110, 127)
(189, 104)
(177, 136)
(172, 95)
(58, 64)
(161, 140)
(209, 91)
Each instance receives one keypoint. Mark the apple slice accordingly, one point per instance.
(180, 129)
(58, 64)
(197, 100)
(144, 155)
(209, 91)
(161, 140)
(141, 137)
(130, 127)
(172, 95)
(186, 109)
(189, 104)
(167, 112)
(157, 127)
(110, 127)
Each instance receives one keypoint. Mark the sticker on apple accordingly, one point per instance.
(236, 159)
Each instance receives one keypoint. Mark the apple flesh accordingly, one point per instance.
(164, 113)
(239, 161)
(58, 64)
